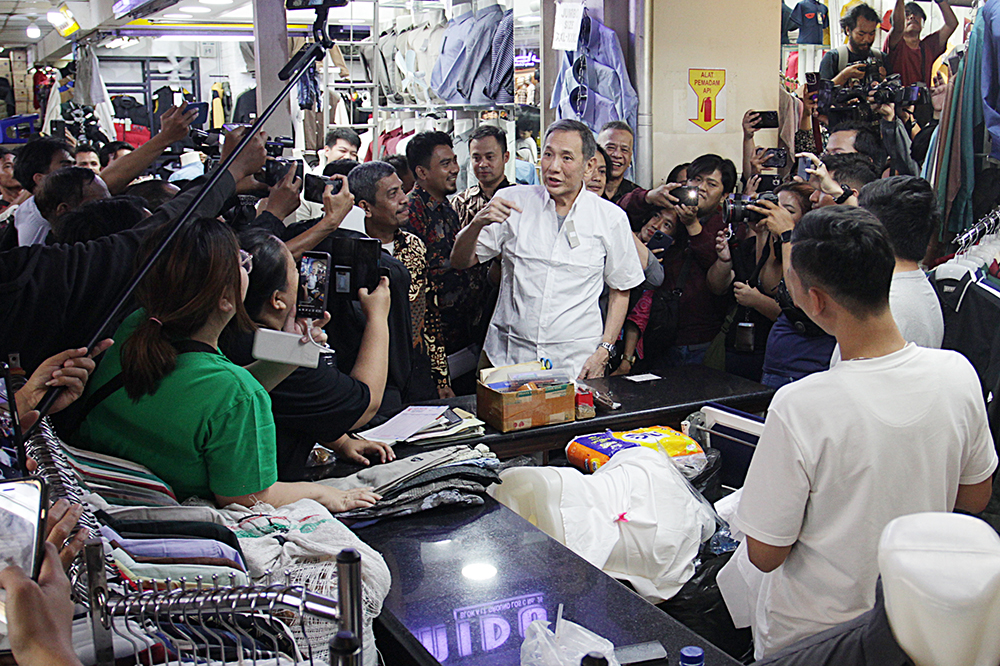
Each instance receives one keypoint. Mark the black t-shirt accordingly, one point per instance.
(829, 67)
(311, 406)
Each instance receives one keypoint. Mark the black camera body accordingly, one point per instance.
(736, 212)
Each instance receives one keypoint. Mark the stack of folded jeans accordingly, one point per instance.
(455, 475)
(593, 85)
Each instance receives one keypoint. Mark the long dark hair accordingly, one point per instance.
(270, 272)
(179, 293)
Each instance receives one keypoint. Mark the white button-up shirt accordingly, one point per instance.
(553, 277)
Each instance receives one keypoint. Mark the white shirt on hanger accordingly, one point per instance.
(553, 276)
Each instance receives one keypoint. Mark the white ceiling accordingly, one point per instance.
(15, 16)
(241, 11)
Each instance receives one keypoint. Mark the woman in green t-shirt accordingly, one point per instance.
(174, 403)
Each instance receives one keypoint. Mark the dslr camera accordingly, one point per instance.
(276, 167)
(737, 212)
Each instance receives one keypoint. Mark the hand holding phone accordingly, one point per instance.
(314, 284)
(202, 117)
(23, 505)
(768, 119)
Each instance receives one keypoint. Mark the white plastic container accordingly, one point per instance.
(941, 580)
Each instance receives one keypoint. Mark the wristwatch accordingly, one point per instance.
(608, 346)
(629, 359)
(785, 236)
(845, 195)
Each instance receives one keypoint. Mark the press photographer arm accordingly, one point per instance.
(174, 126)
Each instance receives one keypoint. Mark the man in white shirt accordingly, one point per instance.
(36, 160)
(893, 429)
(560, 244)
(342, 143)
(906, 206)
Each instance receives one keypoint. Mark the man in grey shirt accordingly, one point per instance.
(907, 208)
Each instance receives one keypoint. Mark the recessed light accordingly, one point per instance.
(195, 9)
(216, 2)
(177, 16)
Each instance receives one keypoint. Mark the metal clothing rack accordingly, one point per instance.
(190, 602)
(151, 77)
(989, 224)
(149, 615)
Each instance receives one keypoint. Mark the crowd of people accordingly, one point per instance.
(813, 286)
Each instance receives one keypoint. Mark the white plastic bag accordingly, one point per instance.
(566, 647)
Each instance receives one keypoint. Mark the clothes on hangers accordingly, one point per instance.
(811, 18)
(222, 104)
(990, 13)
(245, 109)
(593, 85)
(475, 73)
(501, 84)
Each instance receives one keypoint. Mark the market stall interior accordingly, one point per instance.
(496, 332)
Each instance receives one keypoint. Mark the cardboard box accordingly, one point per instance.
(520, 410)
(22, 81)
(19, 55)
(5, 70)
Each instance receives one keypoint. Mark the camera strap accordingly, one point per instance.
(117, 382)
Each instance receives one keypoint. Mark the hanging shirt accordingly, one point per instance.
(444, 78)
(811, 18)
(552, 277)
(989, 14)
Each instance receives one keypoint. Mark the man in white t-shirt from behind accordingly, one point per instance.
(906, 206)
(893, 429)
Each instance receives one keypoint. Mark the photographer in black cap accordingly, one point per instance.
(857, 59)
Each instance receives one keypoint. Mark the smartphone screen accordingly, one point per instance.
(314, 284)
(12, 456)
(23, 505)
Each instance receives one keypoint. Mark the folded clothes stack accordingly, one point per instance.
(455, 475)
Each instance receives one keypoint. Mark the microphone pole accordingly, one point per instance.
(292, 72)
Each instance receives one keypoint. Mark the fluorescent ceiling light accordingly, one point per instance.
(177, 16)
(195, 9)
(33, 31)
(206, 37)
(529, 19)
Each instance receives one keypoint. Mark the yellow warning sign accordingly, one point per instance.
(707, 84)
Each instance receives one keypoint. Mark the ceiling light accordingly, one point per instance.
(529, 19)
(195, 9)
(177, 16)
(216, 2)
(33, 31)
(54, 17)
